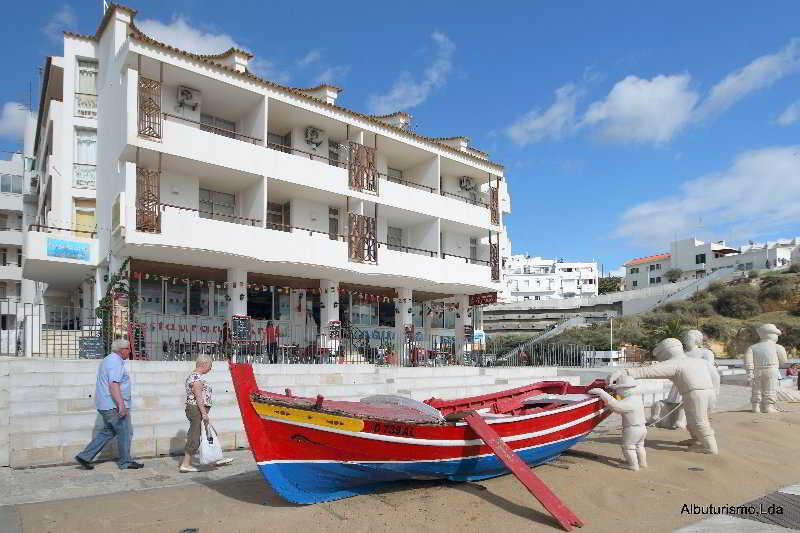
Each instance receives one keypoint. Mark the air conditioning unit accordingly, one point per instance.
(465, 183)
(188, 97)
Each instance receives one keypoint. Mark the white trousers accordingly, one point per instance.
(765, 385)
(695, 404)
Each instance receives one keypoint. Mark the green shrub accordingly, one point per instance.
(794, 268)
(737, 302)
(753, 274)
(790, 335)
(715, 287)
(776, 288)
(718, 329)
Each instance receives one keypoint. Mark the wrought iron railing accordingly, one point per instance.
(222, 217)
(362, 239)
(395, 179)
(494, 260)
(494, 205)
(472, 260)
(42, 228)
(148, 195)
(149, 108)
(473, 201)
(362, 172)
(85, 105)
(84, 176)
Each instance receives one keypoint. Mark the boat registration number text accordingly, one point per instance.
(390, 429)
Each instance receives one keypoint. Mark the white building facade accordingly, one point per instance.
(696, 259)
(225, 194)
(534, 278)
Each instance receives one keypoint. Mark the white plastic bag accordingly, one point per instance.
(210, 447)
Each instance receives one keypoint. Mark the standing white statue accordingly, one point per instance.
(761, 361)
(693, 380)
(693, 345)
(631, 408)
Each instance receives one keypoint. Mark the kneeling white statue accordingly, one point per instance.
(631, 408)
(761, 360)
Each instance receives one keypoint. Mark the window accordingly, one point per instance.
(217, 125)
(526, 270)
(217, 205)
(85, 146)
(333, 223)
(364, 313)
(473, 249)
(394, 238)
(220, 300)
(87, 77)
(537, 297)
(176, 298)
(150, 295)
(394, 175)
(699, 259)
(748, 266)
(416, 316)
(333, 152)
(11, 183)
(282, 143)
(19, 258)
(278, 216)
(658, 266)
(3, 290)
(449, 320)
(85, 216)
(386, 314)
(634, 270)
(635, 283)
(655, 281)
(198, 300)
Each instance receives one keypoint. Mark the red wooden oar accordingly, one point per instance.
(535, 486)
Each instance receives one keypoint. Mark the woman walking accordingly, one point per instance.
(198, 404)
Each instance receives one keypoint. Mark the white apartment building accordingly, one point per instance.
(697, 259)
(229, 194)
(534, 278)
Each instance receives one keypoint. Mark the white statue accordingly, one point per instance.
(631, 408)
(693, 345)
(761, 361)
(693, 380)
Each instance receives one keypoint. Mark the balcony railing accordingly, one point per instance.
(216, 130)
(85, 105)
(42, 228)
(407, 183)
(215, 216)
(407, 249)
(362, 240)
(471, 260)
(361, 169)
(149, 108)
(494, 205)
(467, 199)
(148, 198)
(494, 260)
(84, 176)
(314, 157)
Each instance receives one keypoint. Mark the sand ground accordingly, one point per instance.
(758, 455)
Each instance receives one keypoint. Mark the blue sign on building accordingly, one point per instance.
(68, 249)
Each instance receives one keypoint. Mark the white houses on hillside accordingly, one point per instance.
(534, 278)
(697, 259)
(232, 195)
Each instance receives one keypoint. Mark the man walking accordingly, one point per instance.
(112, 398)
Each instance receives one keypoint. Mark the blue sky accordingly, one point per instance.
(621, 124)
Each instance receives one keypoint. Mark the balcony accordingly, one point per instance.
(59, 256)
(85, 105)
(300, 252)
(10, 271)
(10, 236)
(84, 176)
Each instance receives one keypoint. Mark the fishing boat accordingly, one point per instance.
(314, 450)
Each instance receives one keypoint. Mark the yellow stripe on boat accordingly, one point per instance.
(309, 417)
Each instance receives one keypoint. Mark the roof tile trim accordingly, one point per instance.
(318, 87)
(647, 258)
(140, 36)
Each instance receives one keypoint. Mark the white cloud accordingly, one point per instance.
(63, 19)
(790, 115)
(12, 120)
(644, 111)
(618, 272)
(408, 92)
(332, 74)
(758, 74)
(552, 123)
(312, 56)
(181, 33)
(757, 195)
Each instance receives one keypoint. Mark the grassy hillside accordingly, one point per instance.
(726, 313)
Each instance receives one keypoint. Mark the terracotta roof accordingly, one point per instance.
(228, 52)
(457, 138)
(138, 35)
(392, 115)
(318, 87)
(647, 259)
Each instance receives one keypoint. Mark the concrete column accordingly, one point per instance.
(238, 294)
(401, 320)
(328, 312)
(298, 334)
(461, 320)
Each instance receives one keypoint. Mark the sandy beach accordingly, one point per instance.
(757, 457)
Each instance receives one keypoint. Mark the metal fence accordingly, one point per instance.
(64, 332)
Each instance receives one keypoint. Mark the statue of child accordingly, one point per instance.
(631, 408)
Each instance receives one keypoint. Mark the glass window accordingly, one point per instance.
(333, 223)
(282, 308)
(394, 174)
(449, 319)
(278, 216)
(437, 319)
(217, 205)
(87, 77)
(5, 183)
(394, 238)
(217, 125)
(176, 298)
(150, 293)
(416, 316)
(473, 249)
(85, 147)
(220, 300)
(198, 300)
(386, 314)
